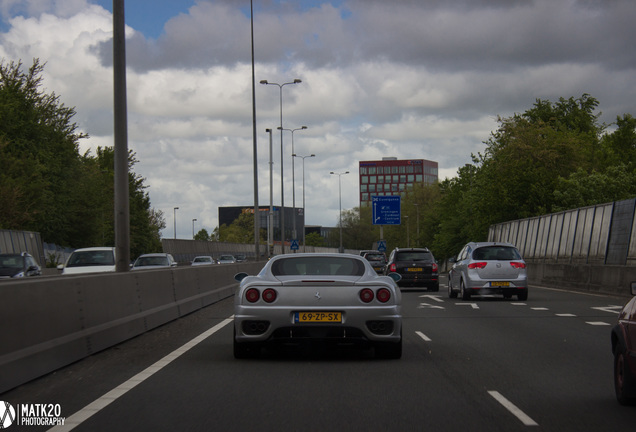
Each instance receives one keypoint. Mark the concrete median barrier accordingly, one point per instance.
(50, 322)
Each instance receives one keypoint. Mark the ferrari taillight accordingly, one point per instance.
(383, 295)
(252, 295)
(366, 295)
(269, 295)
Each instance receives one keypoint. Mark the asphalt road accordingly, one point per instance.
(486, 364)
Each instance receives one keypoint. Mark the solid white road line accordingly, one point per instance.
(101, 403)
(513, 409)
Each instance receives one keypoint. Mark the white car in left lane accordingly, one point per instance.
(336, 298)
(90, 260)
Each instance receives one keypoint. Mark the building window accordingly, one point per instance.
(394, 187)
(373, 179)
(363, 188)
(411, 178)
(402, 169)
(365, 179)
(403, 178)
(371, 188)
(365, 197)
(363, 170)
(401, 186)
(418, 169)
(409, 169)
(396, 178)
(418, 178)
(381, 179)
(394, 170)
(387, 187)
(371, 170)
(380, 170)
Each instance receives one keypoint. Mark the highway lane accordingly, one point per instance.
(482, 365)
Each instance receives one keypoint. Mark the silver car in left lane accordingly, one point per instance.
(335, 298)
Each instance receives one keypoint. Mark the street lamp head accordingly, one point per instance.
(312, 155)
(303, 127)
(332, 172)
(279, 128)
(176, 208)
(264, 82)
(297, 81)
(268, 130)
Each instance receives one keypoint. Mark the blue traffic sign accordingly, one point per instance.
(386, 210)
(381, 245)
(294, 245)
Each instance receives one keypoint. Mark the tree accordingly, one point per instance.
(39, 158)
(202, 235)
(47, 186)
(314, 239)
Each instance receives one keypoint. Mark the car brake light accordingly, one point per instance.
(252, 295)
(517, 265)
(383, 295)
(269, 295)
(477, 265)
(393, 268)
(434, 267)
(366, 295)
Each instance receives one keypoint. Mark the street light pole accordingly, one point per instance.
(193, 221)
(294, 233)
(282, 189)
(175, 222)
(304, 210)
(270, 216)
(341, 250)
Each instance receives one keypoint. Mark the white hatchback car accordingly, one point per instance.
(488, 268)
(90, 260)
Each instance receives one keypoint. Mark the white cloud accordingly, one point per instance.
(408, 79)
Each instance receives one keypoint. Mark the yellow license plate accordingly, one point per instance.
(414, 269)
(308, 317)
(499, 284)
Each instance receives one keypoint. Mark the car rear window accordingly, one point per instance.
(414, 256)
(91, 258)
(328, 266)
(152, 261)
(374, 257)
(496, 253)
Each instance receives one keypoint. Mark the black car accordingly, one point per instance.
(17, 265)
(417, 267)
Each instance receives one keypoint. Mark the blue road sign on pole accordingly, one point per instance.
(294, 245)
(381, 245)
(386, 210)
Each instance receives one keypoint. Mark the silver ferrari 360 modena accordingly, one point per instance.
(335, 298)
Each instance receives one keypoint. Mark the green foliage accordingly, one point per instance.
(47, 186)
(314, 239)
(202, 235)
(241, 230)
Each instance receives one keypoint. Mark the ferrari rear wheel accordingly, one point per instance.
(389, 350)
(243, 350)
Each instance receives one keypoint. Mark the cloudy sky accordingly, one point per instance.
(404, 78)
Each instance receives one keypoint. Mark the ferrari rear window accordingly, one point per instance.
(325, 266)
